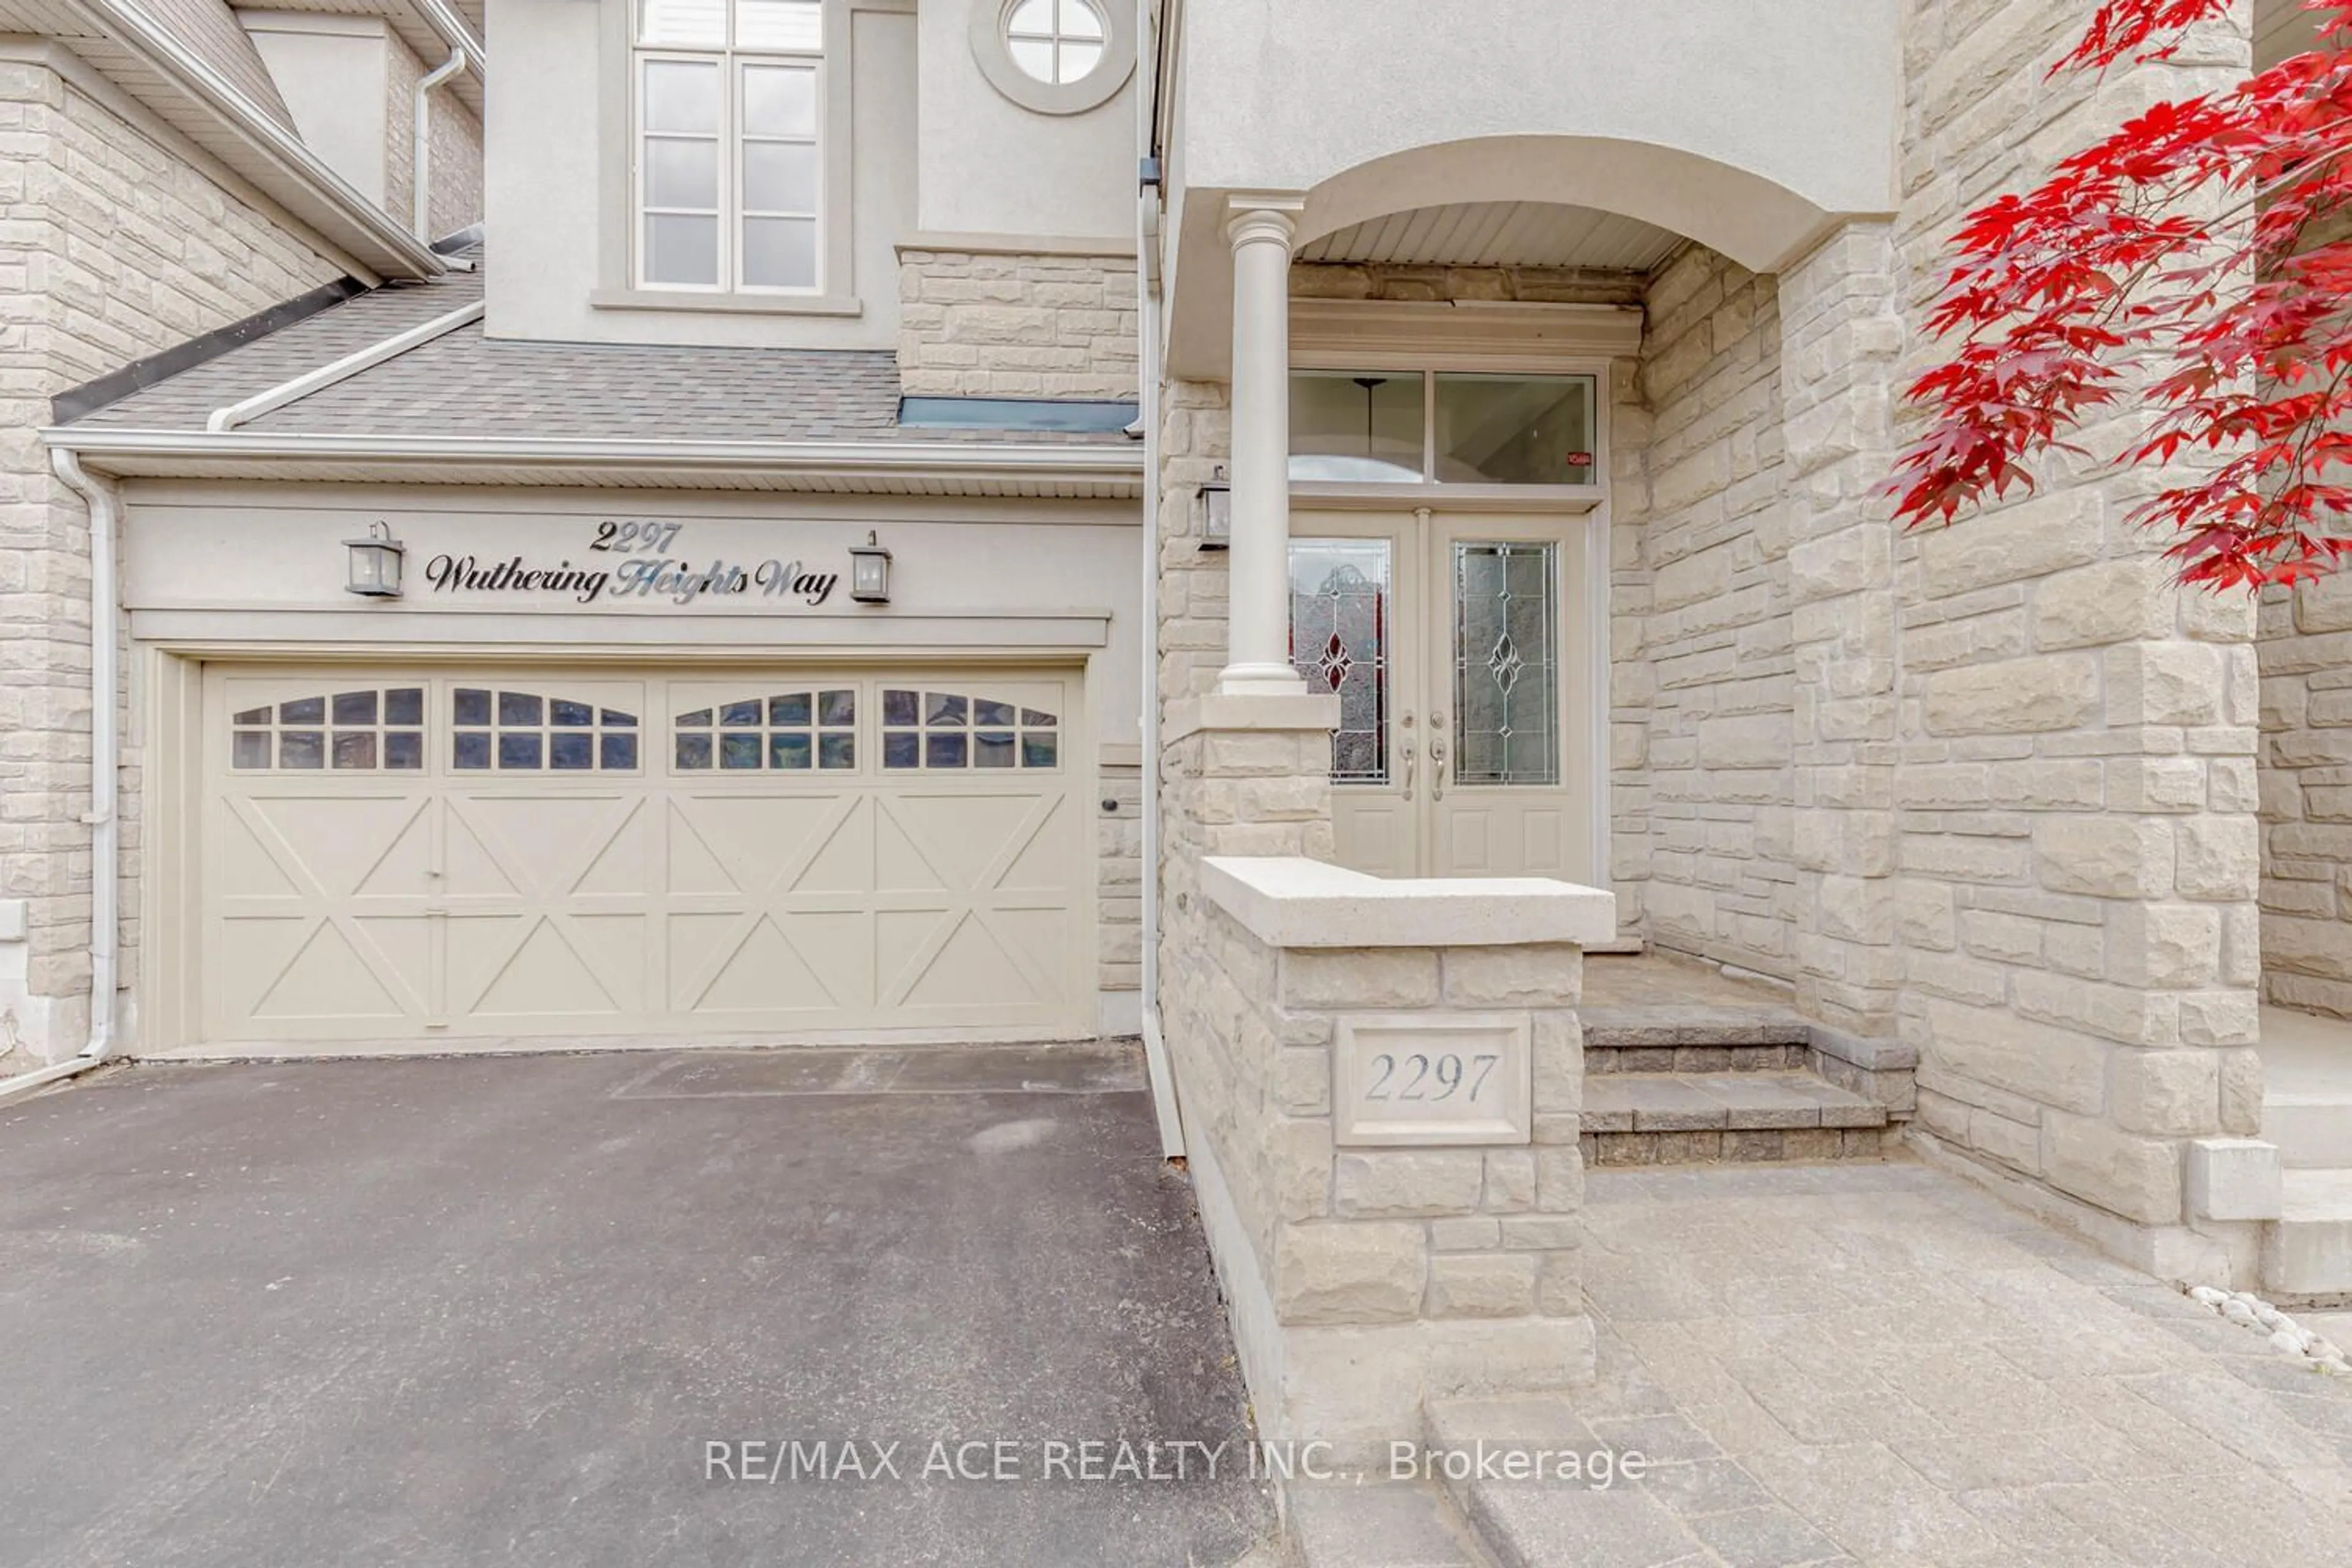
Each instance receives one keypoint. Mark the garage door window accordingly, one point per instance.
(526, 732)
(360, 731)
(791, 731)
(942, 730)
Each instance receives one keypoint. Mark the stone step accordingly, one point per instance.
(2312, 1130)
(2307, 1250)
(1378, 1524)
(1557, 1522)
(1657, 1118)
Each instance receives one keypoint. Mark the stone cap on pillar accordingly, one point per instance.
(1226, 710)
(1289, 902)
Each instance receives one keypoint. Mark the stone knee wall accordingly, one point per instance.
(124, 240)
(2075, 764)
(991, 324)
(2304, 648)
(1701, 684)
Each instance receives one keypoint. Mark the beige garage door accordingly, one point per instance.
(411, 853)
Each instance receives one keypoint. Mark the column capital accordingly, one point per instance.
(1256, 217)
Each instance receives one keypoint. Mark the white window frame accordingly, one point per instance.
(731, 61)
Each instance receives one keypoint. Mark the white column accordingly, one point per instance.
(1258, 648)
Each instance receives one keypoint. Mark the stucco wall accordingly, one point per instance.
(1701, 688)
(121, 243)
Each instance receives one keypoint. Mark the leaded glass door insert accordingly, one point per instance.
(1339, 643)
(1506, 650)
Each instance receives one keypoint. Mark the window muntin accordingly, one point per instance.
(373, 730)
(790, 732)
(947, 731)
(728, 173)
(1446, 428)
(528, 732)
(1055, 41)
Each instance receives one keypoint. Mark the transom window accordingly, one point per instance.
(791, 732)
(945, 730)
(348, 731)
(727, 177)
(1452, 427)
(1055, 41)
(523, 732)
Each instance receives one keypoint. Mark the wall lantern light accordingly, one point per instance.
(1217, 512)
(376, 562)
(869, 571)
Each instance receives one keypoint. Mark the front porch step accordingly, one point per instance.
(1719, 1116)
(2307, 1250)
(1378, 1524)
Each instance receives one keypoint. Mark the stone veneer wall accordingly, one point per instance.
(1701, 690)
(1119, 879)
(987, 324)
(121, 243)
(2304, 648)
(1361, 1281)
(455, 150)
(2071, 807)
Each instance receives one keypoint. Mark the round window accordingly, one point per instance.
(1056, 42)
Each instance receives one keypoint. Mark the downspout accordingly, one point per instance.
(105, 503)
(421, 126)
(1147, 286)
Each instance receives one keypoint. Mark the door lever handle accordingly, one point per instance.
(1405, 754)
(1437, 770)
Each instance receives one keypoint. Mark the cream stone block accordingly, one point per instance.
(2242, 1093)
(1483, 1284)
(2220, 858)
(2018, 695)
(2166, 1093)
(1510, 1180)
(2129, 1013)
(2032, 539)
(1390, 1184)
(1545, 974)
(1757, 741)
(2155, 784)
(2139, 1178)
(2235, 1178)
(1924, 914)
(2219, 1017)
(1300, 1153)
(2052, 1066)
(1349, 1271)
(1358, 977)
(2112, 602)
(2109, 856)
(2172, 946)
(1557, 1041)
(1508, 1355)
(2164, 683)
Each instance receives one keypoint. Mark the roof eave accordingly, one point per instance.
(303, 182)
(453, 458)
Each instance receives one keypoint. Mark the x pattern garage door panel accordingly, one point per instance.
(395, 854)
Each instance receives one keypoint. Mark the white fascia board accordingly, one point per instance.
(902, 458)
(344, 215)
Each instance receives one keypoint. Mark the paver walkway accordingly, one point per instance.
(1882, 1364)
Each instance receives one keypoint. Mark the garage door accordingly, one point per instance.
(408, 853)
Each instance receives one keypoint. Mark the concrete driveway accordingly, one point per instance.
(533, 1310)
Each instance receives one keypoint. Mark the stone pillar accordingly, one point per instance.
(1839, 340)
(1259, 647)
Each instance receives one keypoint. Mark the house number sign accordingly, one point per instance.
(621, 563)
(1433, 1078)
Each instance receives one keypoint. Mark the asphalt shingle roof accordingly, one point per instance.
(465, 384)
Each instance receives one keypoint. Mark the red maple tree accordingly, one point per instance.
(2199, 259)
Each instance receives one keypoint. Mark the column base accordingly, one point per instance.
(1260, 681)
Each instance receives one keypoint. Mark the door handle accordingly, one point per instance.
(1405, 751)
(1437, 770)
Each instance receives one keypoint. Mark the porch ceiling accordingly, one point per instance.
(1499, 234)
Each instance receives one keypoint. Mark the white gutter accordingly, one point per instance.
(956, 460)
(105, 503)
(271, 399)
(1147, 315)
(421, 159)
(362, 220)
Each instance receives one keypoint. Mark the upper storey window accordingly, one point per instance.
(1055, 41)
(728, 169)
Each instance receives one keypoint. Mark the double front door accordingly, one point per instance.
(1460, 649)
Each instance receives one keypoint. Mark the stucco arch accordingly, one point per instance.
(1754, 220)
